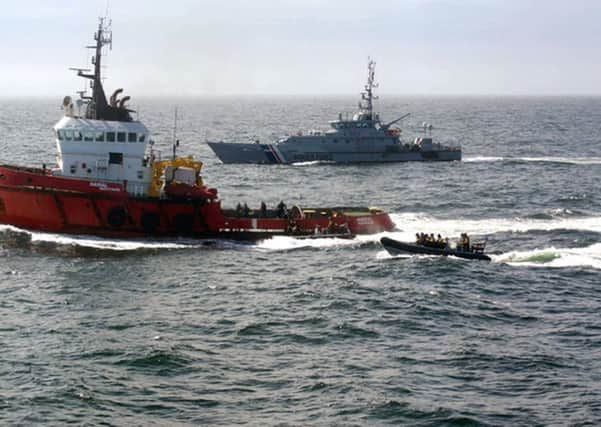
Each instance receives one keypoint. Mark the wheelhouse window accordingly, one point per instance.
(68, 134)
(115, 158)
(141, 137)
(88, 136)
(110, 137)
(99, 136)
(120, 136)
(77, 135)
(60, 134)
(132, 137)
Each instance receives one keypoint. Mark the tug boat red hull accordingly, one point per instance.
(35, 199)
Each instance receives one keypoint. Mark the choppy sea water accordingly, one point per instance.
(332, 332)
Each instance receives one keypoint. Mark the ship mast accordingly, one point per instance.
(103, 37)
(98, 107)
(367, 97)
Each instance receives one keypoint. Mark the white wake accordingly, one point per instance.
(411, 223)
(589, 256)
(102, 243)
(545, 159)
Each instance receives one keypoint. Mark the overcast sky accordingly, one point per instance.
(199, 47)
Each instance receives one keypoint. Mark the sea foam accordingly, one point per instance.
(583, 161)
(589, 256)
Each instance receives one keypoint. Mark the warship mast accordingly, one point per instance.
(367, 97)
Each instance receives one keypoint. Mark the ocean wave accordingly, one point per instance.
(566, 160)
(583, 161)
(407, 224)
(287, 243)
(314, 162)
(384, 255)
(411, 223)
(25, 237)
(108, 244)
(480, 159)
(82, 244)
(589, 256)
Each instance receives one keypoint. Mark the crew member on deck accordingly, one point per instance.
(331, 225)
(439, 241)
(465, 242)
(282, 211)
(263, 210)
(292, 227)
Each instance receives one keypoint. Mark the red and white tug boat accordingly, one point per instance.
(107, 183)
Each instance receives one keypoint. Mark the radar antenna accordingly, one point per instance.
(98, 107)
(367, 97)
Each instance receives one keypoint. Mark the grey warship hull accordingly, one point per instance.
(272, 154)
(361, 139)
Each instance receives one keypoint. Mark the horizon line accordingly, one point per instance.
(332, 95)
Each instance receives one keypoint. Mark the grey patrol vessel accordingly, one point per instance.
(364, 138)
